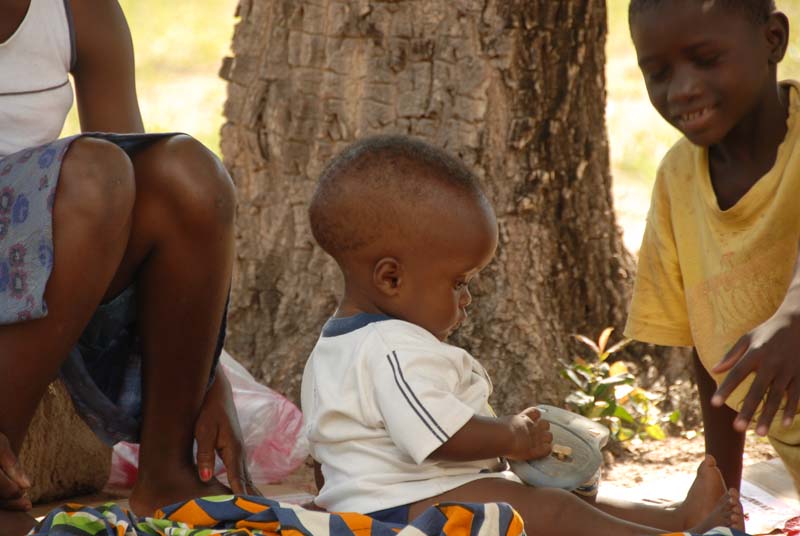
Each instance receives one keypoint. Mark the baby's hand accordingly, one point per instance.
(531, 436)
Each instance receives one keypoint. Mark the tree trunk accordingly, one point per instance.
(516, 88)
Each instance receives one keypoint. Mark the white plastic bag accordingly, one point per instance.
(272, 431)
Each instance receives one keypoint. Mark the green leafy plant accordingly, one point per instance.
(607, 392)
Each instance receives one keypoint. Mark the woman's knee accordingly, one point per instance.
(96, 182)
(191, 181)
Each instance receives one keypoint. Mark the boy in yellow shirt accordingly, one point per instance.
(718, 264)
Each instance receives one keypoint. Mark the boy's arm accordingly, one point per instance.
(771, 351)
(519, 437)
(722, 441)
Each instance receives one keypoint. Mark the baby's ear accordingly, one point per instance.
(387, 276)
(777, 32)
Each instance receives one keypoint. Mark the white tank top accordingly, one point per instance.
(35, 91)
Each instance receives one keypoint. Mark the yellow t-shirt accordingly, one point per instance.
(707, 276)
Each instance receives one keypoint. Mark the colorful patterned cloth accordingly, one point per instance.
(251, 516)
(229, 515)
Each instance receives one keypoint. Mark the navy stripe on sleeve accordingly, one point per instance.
(408, 393)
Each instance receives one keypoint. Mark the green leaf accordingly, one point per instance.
(625, 377)
(617, 368)
(579, 400)
(580, 382)
(675, 416)
(655, 431)
(623, 415)
(610, 409)
(624, 433)
(601, 391)
(586, 372)
(619, 346)
(603, 339)
(588, 342)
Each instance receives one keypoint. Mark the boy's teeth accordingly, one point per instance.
(694, 115)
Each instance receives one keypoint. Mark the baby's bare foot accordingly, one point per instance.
(727, 513)
(703, 496)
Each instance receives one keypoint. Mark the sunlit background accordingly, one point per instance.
(180, 44)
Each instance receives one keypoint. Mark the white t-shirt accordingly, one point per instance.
(379, 395)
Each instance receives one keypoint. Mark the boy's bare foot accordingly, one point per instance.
(728, 513)
(703, 496)
(149, 496)
(15, 523)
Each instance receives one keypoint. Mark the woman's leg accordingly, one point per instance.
(181, 255)
(91, 224)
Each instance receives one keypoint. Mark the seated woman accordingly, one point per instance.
(115, 260)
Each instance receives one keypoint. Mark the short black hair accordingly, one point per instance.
(362, 189)
(758, 11)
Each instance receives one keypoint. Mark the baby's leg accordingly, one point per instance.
(181, 255)
(545, 511)
(700, 503)
(91, 222)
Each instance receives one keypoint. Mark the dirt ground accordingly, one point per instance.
(650, 460)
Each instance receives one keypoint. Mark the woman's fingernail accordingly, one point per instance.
(205, 474)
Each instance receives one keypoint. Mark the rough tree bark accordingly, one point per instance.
(516, 88)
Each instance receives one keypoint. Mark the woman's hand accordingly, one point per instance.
(13, 482)
(217, 431)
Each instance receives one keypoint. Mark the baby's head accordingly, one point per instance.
(708, 65)
(409, 227)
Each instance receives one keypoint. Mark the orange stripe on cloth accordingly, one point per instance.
(250, 506)
(273, 527)
(516, 526)
(191, 514)
(358, 523)
(459, 519)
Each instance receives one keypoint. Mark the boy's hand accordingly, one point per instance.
(531, 435)
(13, 481)
(770, 350)
(217, 431)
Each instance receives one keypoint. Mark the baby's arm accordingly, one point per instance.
(519, 437)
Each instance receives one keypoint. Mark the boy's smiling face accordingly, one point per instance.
(707, 68)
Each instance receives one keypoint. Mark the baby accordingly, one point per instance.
(397, 418)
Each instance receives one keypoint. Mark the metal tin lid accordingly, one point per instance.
(584, 436)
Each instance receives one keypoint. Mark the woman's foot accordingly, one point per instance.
(15, 523)
(149, 496)
(703, 496)
(727, 513)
